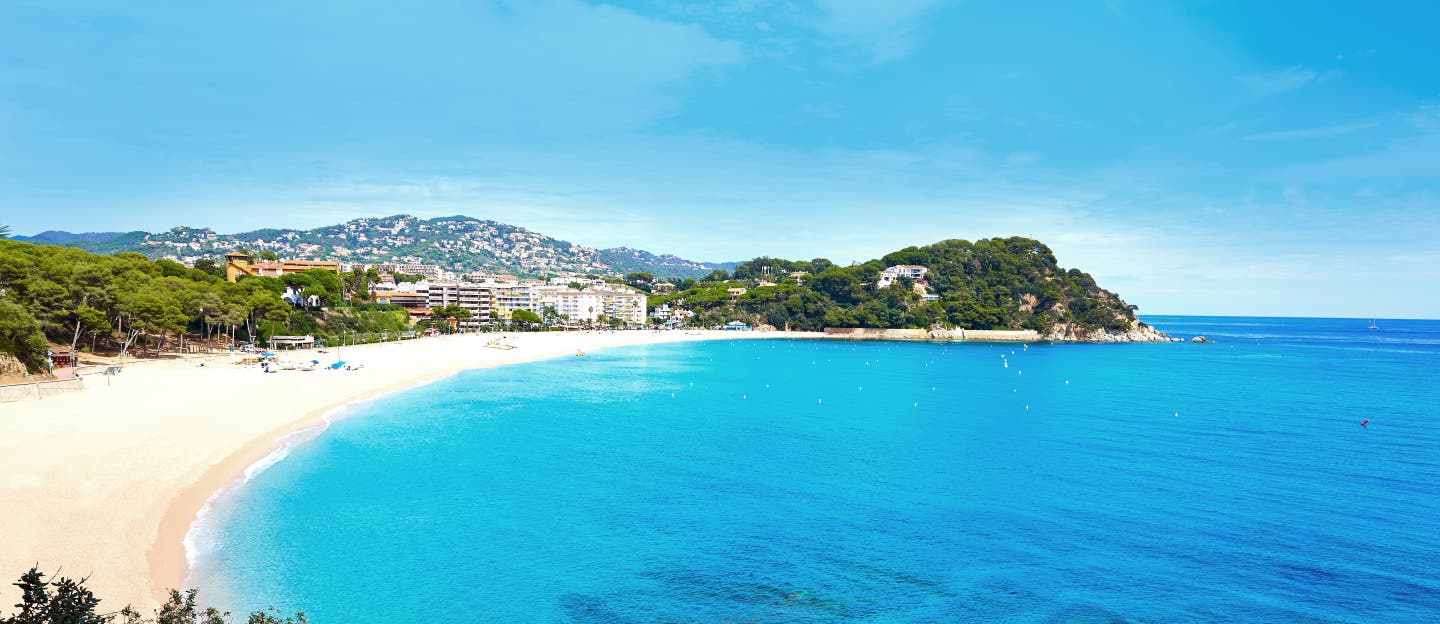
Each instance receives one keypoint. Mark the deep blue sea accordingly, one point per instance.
(818, 481)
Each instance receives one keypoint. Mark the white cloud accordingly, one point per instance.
(1277, 82)
(1023, 159)
(880, 32)
(1295, 194)
(1309, 133)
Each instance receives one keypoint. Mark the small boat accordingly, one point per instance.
(1373, 325)
(579, 353)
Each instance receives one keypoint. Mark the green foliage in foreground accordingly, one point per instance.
(1000, 283)
(68, 601)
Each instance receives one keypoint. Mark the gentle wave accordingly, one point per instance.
(200, 538)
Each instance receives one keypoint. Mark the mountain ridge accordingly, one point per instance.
(457, 243)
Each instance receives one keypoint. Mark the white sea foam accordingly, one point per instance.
(199, 539)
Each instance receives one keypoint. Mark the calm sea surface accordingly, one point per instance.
(809, 481)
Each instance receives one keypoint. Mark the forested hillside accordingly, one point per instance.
(1000, 283)
(126, 303)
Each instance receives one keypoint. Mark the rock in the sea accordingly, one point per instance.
(1138, 332)
(1201, 339)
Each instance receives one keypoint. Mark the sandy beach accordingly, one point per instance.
(106, 482)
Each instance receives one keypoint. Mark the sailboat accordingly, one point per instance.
(1373, 325)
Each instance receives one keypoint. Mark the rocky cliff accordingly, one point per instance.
(1138, 332)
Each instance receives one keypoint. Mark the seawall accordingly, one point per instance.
(968, 335)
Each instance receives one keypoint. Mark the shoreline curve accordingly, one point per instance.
(107, 482)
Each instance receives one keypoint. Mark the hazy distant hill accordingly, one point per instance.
(457, 243)
(57, 237)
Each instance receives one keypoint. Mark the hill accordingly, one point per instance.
(58, 236)
(457, 243)
(1001, 283)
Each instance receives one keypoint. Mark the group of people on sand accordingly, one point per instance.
(500, 343)
(272, 364)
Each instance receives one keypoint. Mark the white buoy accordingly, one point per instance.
(744, 396)
(818, 401)
(1027, 408)
(860, 388)
(1019, 372)
(917, 405)
(1067, 382)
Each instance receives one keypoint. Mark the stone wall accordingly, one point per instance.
(866, 333)
(974, 335)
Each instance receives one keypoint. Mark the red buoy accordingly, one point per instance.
(1365, 423)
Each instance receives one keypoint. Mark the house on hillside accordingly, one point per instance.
(913, 271)
(238, 265)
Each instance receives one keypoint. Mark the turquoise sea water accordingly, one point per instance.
(809, 481)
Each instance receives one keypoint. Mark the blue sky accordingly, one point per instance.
(1273, 158)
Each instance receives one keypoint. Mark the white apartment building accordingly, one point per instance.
(628, 306)
(522, 295)
(579, 307)
(479, 299)
(424, 270)
(609, 301)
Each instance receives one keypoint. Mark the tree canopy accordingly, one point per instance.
(126, 301)
(999, 283)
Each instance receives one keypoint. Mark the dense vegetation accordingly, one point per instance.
(1001, 283)
(68, 601)
(127, 304)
